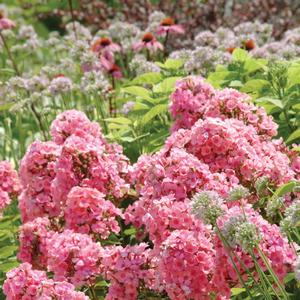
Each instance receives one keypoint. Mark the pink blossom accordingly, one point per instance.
(6, 23)
(9, 184)
(168, 25)
(125, 268)
(37, 171)
(105, 44)
(88, 212)
(73, 257)
(194, 99)
(148, 42)
(185, 266)
(108, 64)
(32, 238)
(25, 283)
(73, 122)
(9, 180)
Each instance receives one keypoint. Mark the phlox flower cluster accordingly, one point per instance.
(9, 184)
(33, 237)
(73, 257)
(25, 283)
(125, 268)
(87, 211)
(200, 176)
(193, 99)
(186, 264)
(78, 155)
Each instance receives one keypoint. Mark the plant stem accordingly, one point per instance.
(165, 44)
(39, 120)
(227, 247)
(274, 276)
(9, 54)
(73, 18)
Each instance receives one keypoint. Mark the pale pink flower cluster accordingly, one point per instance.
(9, 184)
(37, 171)
(77, 156)
(25, 283)
(221, 149)
(88, 212)
(73, 257)
(186, 265)
(125, 268)
(194, 99)
(32, 238)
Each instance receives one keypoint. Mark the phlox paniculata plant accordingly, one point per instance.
(194, 206)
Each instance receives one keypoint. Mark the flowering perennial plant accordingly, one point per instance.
(194, 206)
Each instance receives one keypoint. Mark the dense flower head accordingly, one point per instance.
(164, 173)
(159, 217)
(60, 85)
(37, 170)
(32, 238)
(167, 25)
(9, 181)
(194, 99)
(73, 257)
(87, 163)
(291, 217)
(73, 122)
(25, 283)
(60, 290)
(185, 265)
(230, 144)
(265, 235)
(149, 42)
(125, 268)
(189, 100)
(207, 206)
(10, 185)
(88, 212)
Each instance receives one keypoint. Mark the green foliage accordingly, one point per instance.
(146, 126)
(272, 85)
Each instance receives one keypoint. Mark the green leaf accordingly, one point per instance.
(173, 64)
(166, 86)
(289, 277)
(253, 64)
(130, 231)
(119, 120)
(8, 251)
(237, 291)
(293, 75)
(240, 55)
(5, 267)
(147, 78)
(295, 135)
(6, 106)
(286, 188)
(235, 83)
(153, 112)
(137, 91)
(254, 85)
(276, 102)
